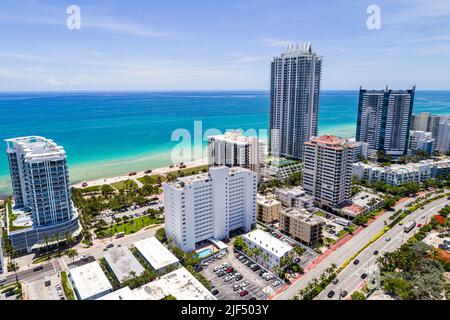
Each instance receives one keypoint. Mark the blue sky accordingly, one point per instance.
(211, 44)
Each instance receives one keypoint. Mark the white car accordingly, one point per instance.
(228, 278)
(245, 283)
(276, 283)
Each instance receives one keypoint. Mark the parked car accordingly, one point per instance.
(245, 283)
(343, 293)
(331, 294)
(239, 278)
(252, 298)
(243, 293)
(363, 276)
(228, 278)
(419, 225)
(236, 287)
(276, 283)
(216, 268)
(335, 281)
(230, 270)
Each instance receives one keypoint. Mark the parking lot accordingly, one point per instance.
(257, 287)
(39, 290)
(135, 211)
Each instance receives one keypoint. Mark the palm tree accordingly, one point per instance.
(13, 266)
(71, 254)
(57, 238)
(69, 238)
(47, 239)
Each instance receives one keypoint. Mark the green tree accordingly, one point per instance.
(358, 296)
(71, 254)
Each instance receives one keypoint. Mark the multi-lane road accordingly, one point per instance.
(342, 254)
(350, 278)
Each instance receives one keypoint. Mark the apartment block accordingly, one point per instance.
(210, 205)
(268, 209)
(327, 174)
(301, 225)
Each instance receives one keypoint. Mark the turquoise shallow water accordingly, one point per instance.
(107, 134)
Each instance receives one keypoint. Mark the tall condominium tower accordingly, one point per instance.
(234, 149)
(443, 136)
(209, 205)
(384, 119)
(294, 100)
(425, 121)
(328, 166)
(40, 184)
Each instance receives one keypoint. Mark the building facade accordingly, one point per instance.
(268, 209)
(443, 136)
(210, 205)
(294, 100)
(384, 119)
(234, 149)
(272, 249)
(421, 140)
(295, 197)
(427, 122)
(40, 184)
(301, 225)
(327, 174)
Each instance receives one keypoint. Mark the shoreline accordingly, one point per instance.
(139, 174)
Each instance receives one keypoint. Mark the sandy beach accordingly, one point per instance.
(139, 174)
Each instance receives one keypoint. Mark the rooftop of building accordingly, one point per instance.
(399, 168)
(202, 177)
(235, 137)
(303, 215)
(268, 242)
(35, 146)
(363, 198)
(89, 280)
(122, 262)
(294, 191)
(267, 201)
(155, 253)
(330, 141)
(179, 283)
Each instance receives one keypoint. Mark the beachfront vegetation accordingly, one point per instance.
(127, 227)
(186, 172)
(152, 180)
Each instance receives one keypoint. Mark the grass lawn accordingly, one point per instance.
(90, 189)
(342, 233)
(128, 227)
(122, 185)
(152, 179)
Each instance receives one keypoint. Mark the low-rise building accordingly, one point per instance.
(421, 140)
(89, 281)
(180, 284)
(301, 225)
(123, 263)
(281, 168)
(268, 209)
(363, 202)
(156, 254)
(272, 249)
(395, 174)
(295, 197)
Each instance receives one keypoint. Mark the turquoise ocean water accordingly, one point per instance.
(106, 134)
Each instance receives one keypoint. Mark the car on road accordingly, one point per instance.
(343, 293)
(388, 239)
(356, 262)
(363, 276)
(110, 245)
(419, 225)
(401, 223)
(331, 294)
(376, 252)
(39, 268)
(335, 281)
(243, 293)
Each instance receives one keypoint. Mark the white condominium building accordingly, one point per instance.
(327, 173)
(272, 249)
(421, 140)
(395, 174)
(233, 149)
(210, 205)
(427, 122)
(443, 136)
(295, 198)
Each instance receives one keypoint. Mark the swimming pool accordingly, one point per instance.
(204, 253)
